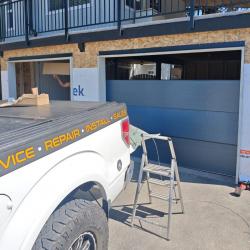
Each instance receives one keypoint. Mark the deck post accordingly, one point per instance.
(119, 16)
(26, 20)
(192, 14)
(66, 20)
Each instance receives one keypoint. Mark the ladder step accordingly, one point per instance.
(151, 222)
(157, 169)
(159, 196)
(160, 182)
(163, 197)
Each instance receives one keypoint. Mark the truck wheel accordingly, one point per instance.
(78, 224)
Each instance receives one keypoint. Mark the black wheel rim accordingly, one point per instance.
(85, 241)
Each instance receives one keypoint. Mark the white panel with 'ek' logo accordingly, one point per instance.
(85, 84)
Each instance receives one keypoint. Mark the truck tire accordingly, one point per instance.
(78, 224)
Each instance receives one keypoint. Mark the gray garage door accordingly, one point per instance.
(201, 117)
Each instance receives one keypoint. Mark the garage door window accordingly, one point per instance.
(143, 70)
(209, 66)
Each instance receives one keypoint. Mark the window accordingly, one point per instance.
(73, 3)
(59, 4)
(155, 4)
(130, 70)
(171, 71)
(143, 71)
(152, 68)
(130, 3)
(55, 4)
(144, 4)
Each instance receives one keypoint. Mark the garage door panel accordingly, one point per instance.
(205, 126)
(196, 95)
(200, 116)
(213, 157)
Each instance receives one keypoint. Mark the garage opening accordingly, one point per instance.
(193, 98)
(51, 77)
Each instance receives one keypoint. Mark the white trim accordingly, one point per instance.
(240, 123)
(5, 84)
(71, 75)
(102, 79)
(11, 78)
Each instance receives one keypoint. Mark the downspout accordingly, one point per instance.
(26, 20)
(31, 28)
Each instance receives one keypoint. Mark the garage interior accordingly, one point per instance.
(32, 74)
(192, 97)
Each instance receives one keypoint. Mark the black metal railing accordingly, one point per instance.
(138, 9)
(32, 17)
(12, 19)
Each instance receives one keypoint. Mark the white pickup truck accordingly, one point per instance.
(61, 165)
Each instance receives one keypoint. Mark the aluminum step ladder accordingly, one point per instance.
(168, 177)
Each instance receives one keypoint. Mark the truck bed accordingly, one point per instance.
(26, 127)
(13, 118)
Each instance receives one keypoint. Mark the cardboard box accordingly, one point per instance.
(176, 74)
(56, 68)
(27, 100)
(34, 91)
(32, 100)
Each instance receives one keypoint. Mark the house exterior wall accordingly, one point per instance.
(86, 63)
(88, 59)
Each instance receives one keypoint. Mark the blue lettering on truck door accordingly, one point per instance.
(78, 91)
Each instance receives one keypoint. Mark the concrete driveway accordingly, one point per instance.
(213, 219)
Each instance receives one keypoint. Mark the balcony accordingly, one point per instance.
(27, 19)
